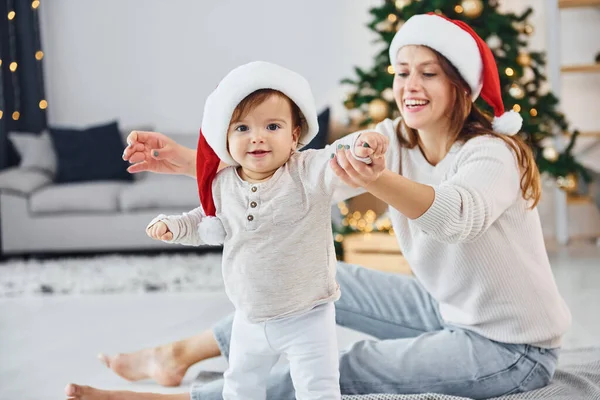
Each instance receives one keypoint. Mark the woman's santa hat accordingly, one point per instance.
(469, 54)
(218, 110)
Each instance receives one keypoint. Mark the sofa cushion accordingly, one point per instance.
(101, 196)
(91, 154)
(172, 192)
(22, 181)
(36, 150)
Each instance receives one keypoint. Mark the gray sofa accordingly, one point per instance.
(38, 216)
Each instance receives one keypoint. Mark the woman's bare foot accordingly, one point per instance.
(166, 364)
(86, 393)
(78, 392)
(160, 364)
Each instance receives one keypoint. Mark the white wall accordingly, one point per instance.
(155, 61)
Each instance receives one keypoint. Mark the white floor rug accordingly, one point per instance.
(111, 274)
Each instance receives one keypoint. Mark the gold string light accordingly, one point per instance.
(35, 4)
(390, 69)
(509, 71)
(43, 104)
(516, 108)
(363, 223)
(39, 55)
(11, 15)
(13, 66)
(16, 115)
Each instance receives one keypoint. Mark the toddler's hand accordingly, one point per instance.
(159, 231)
(371, 144)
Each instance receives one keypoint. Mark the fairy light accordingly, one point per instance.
(11, 15)
(43, 104)
(392, 18)
(533, 112)
(35, 4)
(39, 55)
(13, 66)
(390, 69)
(516, 108)
(509, 71)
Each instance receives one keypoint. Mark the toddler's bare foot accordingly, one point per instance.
(162, 364)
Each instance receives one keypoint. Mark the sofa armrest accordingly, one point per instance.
(22, 181)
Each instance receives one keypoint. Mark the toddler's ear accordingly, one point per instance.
(296, 136)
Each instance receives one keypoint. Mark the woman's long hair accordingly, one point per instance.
(467, 122)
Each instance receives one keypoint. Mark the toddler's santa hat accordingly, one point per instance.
(471, 56)
(218, 110)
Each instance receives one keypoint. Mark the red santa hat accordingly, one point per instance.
(218, 110)
(469, 54)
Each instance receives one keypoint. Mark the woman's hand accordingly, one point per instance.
(155, 152)
(356, 173)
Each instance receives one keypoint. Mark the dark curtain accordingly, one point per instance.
(22, 99)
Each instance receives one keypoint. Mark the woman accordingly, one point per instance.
(483, 317)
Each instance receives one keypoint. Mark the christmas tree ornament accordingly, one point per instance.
(385, 26)
(349, 102)
(524, 59)
(516, 91)
(550, 154)
(400, 4)
(378, 110)
(567, 183)
(368, 91)
(356, 116)
(388, 94)
(494, 42)
(472, 8)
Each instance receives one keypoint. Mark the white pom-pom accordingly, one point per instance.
(211, 231)
(508, 123)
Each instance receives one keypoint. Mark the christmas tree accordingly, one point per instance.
(522, 80)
